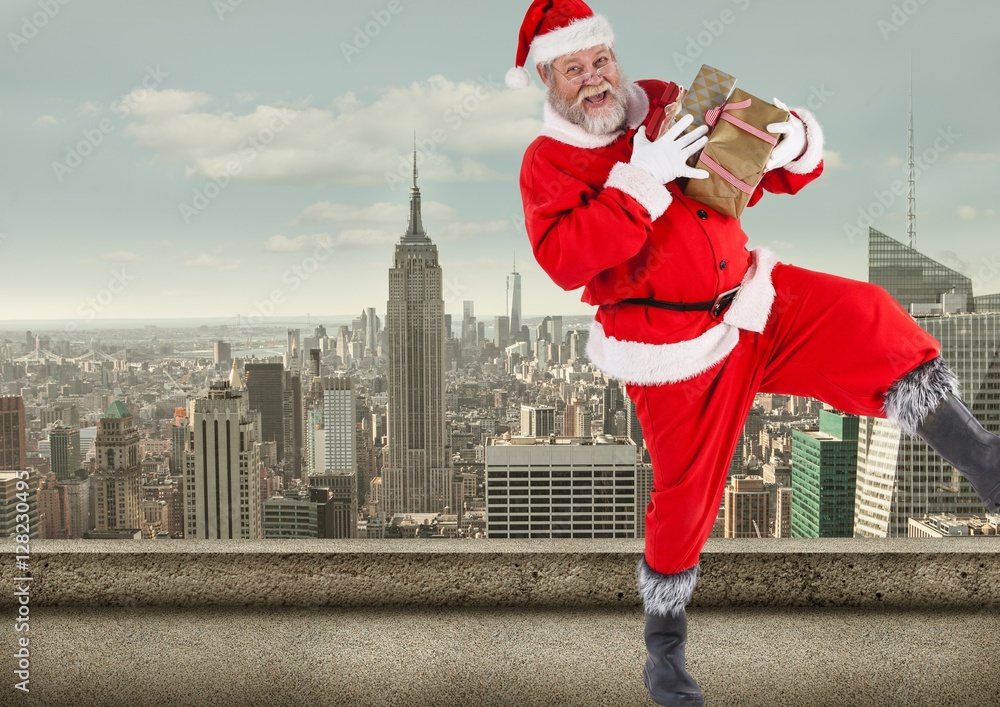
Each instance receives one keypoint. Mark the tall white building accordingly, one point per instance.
(561, 487)
(514, 293)
(417, 474)
(339, 426)
(116, 483)
(222, 490)
(899, 477)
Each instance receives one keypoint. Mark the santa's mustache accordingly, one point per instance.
(589, 91)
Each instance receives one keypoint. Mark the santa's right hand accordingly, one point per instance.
(666, 157)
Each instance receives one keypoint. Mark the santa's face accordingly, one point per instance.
(587, 89)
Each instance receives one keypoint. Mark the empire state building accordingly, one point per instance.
(417, 474)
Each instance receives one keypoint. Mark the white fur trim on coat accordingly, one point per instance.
(813, 155)
(641, 363)
(917, 394)
(641, 186)
(576, 36)
(666, 594)
(558, 128)
(752, 305)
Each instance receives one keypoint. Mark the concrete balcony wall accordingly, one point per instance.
(546, 573)
(774, 622)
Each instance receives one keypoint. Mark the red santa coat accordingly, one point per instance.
(596, 222)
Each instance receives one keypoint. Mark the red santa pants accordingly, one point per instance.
(841, 341)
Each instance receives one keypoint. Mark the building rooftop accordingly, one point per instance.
(117, 410)
(553, 439)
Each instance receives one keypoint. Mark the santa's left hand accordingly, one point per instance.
(792, 145)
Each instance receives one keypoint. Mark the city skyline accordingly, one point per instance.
(319, 129)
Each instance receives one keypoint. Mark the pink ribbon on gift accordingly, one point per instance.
(711, 118)
(713, 115)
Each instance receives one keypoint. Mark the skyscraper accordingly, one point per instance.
(538, 421)
(222, 354)
(221, 483)
(514, 294)
(265, 385)
(899, 477)
(13, 442)
(501, 332)
(64, 445)
(417, 474)
(824, 469)
(909, 276)
(340, 426)
(116, 482)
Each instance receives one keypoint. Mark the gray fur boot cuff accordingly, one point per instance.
(666, 594)
(917, 394)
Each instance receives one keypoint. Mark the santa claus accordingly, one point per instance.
(692, 321)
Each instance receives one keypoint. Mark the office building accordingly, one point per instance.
(561, 487)
(417, 474)
(116, 482)
(13, 441)
(911, 277)
(747, 507)
(501, 332)
(824, 470)
(222, 481)
(12, 500)
(339, 426)
(899, 477)
(783, 513)
(64, 452)
(222, 354)
(265, 386)
(514, 298)
(538, 421)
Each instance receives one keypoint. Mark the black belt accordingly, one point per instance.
(716, 306)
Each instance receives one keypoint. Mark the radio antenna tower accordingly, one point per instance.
(911, 197)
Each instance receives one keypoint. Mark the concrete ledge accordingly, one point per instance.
(949, 573)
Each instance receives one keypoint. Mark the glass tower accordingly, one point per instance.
(909, 276)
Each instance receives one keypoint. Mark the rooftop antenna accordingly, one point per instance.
(911, 199)
(415, 158)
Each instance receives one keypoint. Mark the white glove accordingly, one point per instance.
(791, 145)
(666, 157)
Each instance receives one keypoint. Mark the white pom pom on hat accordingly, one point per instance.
(553, 28)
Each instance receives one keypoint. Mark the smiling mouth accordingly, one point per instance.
(597, 100)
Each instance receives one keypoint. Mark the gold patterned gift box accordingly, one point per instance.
(737, 151)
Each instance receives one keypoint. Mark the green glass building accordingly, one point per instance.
(824, 471)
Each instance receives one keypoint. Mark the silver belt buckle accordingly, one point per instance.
(719, 303)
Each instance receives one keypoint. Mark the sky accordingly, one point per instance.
(215, 158)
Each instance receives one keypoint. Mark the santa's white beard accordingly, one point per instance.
(609, 119)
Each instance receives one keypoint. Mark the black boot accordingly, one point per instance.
(926, 403)
(664, 598)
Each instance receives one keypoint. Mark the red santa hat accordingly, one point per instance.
(553, 28)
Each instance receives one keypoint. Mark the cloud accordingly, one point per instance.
(832, 159)
(46, 120)
(210, 260)
(970, 213)
(172, 293)
(895, 161)
(89, 108)
(978, 156)
(351, 141)
(283, 244)
(121, 256)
